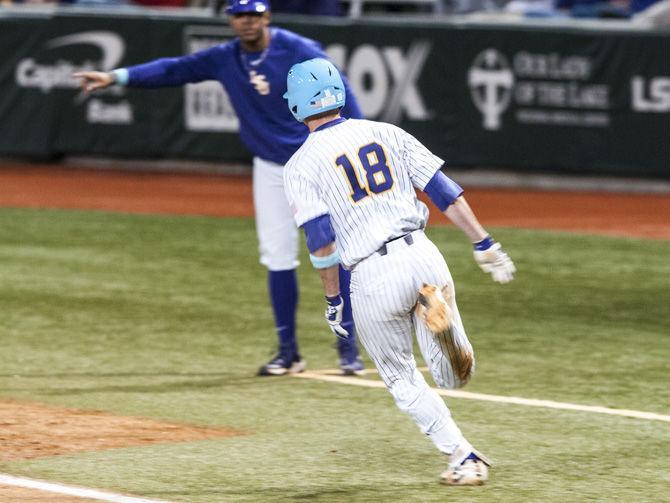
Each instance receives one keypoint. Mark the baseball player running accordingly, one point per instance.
(351, 187)
(252, 68)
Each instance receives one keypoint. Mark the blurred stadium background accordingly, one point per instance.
(164, 317)
(488, 89)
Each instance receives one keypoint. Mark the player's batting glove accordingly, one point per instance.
(492, 259)
(334, 316)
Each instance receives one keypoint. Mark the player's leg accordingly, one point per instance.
(350, 361)
(278, 246)
(381, 303)
(466, 465)
(438, 349)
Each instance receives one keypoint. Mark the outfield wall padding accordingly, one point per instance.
(572, 99)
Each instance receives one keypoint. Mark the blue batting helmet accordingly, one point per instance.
(240, 6)
(314, 86)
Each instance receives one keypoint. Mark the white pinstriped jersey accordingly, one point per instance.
(363, 174)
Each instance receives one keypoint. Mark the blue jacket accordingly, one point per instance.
(267, 127)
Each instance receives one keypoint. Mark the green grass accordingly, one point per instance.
(167, 317)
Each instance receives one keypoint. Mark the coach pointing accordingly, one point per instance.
(252, 68)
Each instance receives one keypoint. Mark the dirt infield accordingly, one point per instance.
(614, 214)
(19, 494)
(29, 431)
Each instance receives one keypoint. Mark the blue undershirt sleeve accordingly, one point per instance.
(442, 190)
(319, 232)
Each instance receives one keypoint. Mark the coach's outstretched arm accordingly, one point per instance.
(162, 72)
(92, 81)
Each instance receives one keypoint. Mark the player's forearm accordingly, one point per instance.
(330, 275)
(460, 213)
(331, 281)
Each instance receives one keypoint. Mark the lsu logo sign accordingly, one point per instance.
(650, 95)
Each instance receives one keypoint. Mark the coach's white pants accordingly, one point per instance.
(384, 291)
(275, 226)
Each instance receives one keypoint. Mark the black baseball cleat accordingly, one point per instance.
(281, 365)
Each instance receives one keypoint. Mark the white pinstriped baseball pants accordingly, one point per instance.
(384, 291)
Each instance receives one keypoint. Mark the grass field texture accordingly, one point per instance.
(167, 318)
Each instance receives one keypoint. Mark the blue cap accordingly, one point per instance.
(314, 86)
(239, 6)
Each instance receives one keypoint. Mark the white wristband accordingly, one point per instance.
(120, 76)
(325, 262)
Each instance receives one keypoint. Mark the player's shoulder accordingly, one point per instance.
(288, 38)
(374, 126)
(302, 159)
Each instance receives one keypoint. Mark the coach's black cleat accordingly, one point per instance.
(281, 365)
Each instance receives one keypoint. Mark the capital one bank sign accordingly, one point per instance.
(51, 71)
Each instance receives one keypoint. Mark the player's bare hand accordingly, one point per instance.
(334, 308)
(92, 81)
(493, 260)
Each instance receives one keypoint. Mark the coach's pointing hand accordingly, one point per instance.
(334, 316)
(492, 259)
(92, 81)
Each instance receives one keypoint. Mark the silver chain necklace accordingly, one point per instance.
(257, 80)
(250, 66)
